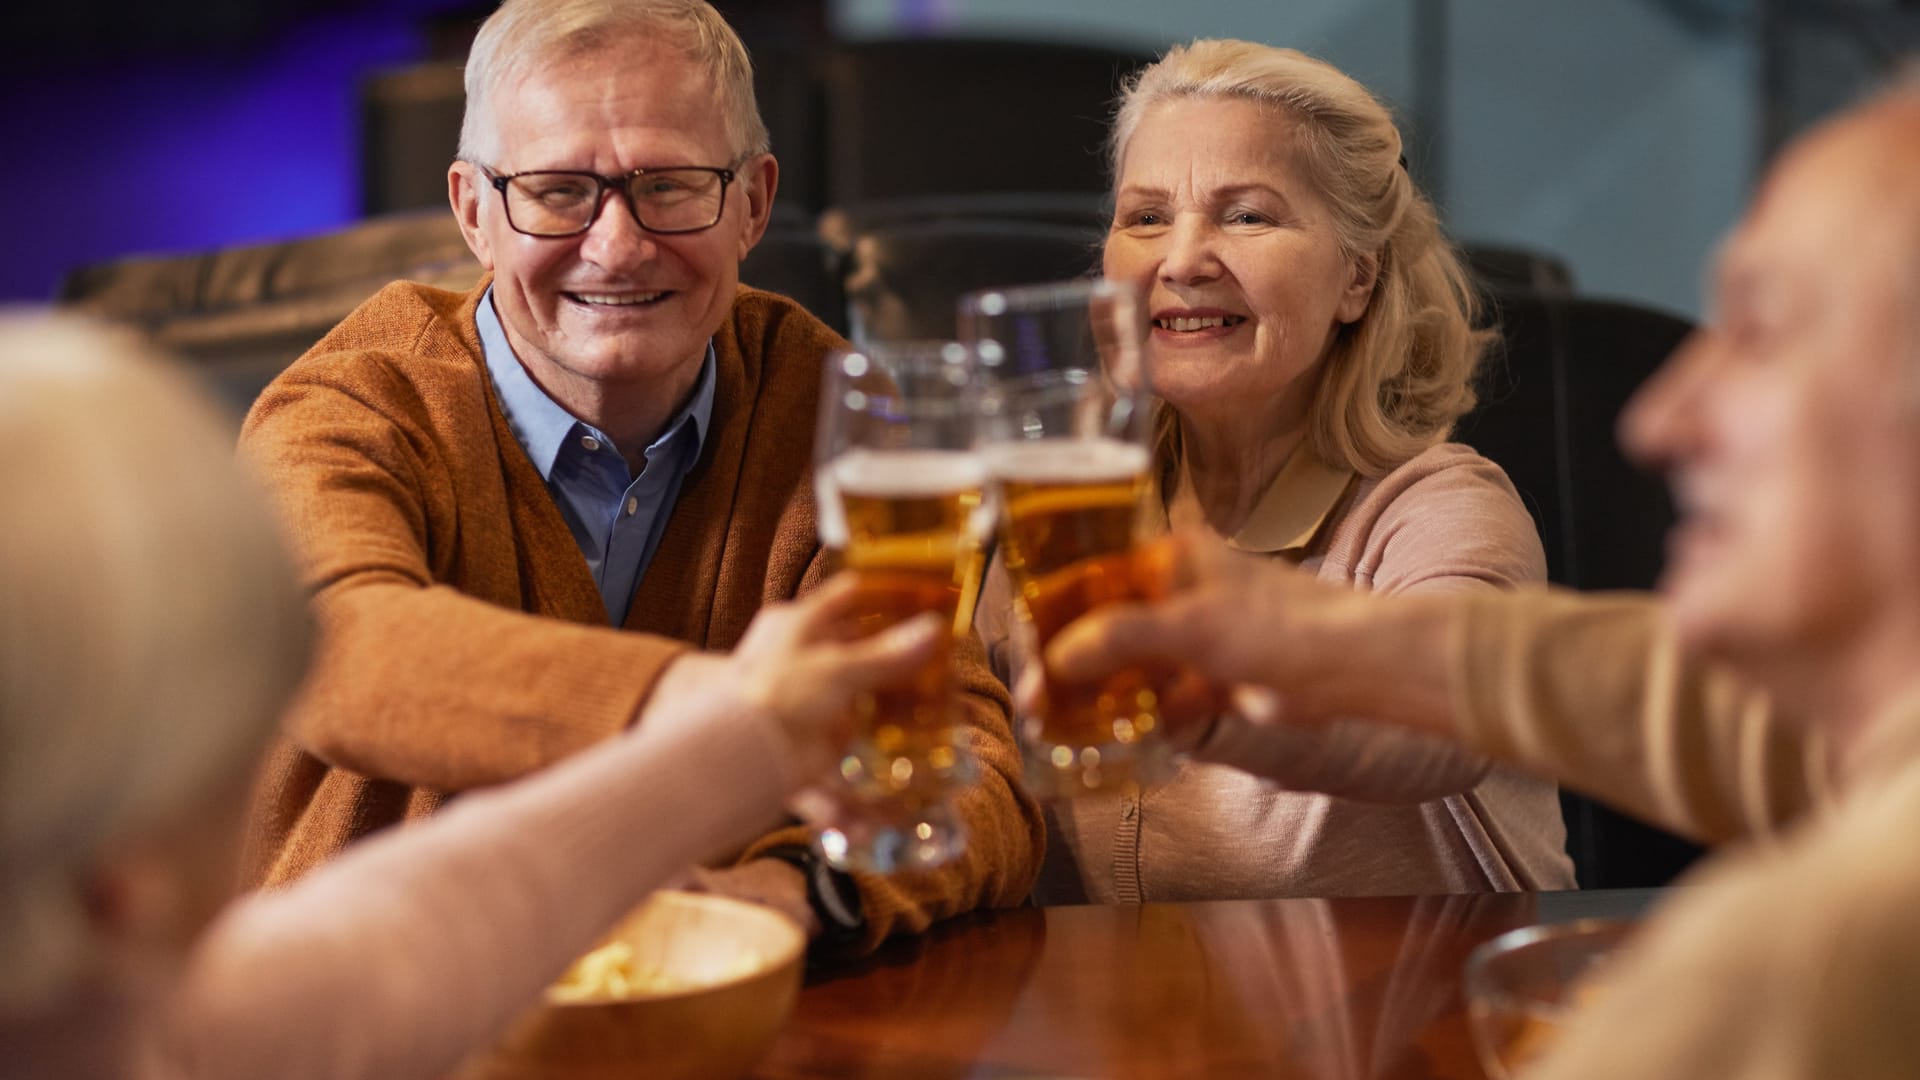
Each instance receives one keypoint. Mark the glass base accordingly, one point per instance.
(1059, 771)
(881, 839)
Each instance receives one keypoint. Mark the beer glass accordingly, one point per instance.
(901, 500)
(1064, 432)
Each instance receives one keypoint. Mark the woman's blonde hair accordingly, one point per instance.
(150, 623)
(524, 33)
(1397, 379)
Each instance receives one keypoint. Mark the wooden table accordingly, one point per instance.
(1352, 989)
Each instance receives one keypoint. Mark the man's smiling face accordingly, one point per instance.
(614, 304)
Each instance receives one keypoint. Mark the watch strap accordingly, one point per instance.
(833, 894)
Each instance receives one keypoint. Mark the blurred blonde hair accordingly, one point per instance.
(150, 624)
(524, 34)
(1398, 378)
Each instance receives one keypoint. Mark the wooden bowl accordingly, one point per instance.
(740, 965)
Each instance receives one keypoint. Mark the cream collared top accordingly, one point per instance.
(1353, 809)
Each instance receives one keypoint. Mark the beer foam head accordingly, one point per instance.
(1045, 460)
(891, 474)
(907, 473)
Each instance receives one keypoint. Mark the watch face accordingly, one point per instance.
(833, 895)
(837, 897)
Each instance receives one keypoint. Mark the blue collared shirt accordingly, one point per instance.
(616, 518)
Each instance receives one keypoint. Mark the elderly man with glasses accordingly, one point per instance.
(538, 514)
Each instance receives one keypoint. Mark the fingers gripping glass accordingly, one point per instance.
(560, 203)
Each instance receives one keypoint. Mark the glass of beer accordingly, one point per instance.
(1064, 432)
(902, 504)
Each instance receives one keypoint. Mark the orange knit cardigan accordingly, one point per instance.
(464, 642)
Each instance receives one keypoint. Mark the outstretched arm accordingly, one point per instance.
(1590, 690)
(411, 949)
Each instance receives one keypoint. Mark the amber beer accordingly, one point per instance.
(1071, 513)
(912, 522)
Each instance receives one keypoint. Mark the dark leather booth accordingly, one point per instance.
(240, 315)
(1549, 402)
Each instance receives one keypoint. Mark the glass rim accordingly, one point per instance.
(993, 302)
(1477, 976)
(949, 350)
(920, 358)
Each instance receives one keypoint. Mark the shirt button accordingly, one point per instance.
(633, 504)
(589, 443)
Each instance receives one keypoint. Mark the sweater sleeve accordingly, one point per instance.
(1449, 521)
(1796, 959)
(1593, 690)
(416, 681)
(411, 949)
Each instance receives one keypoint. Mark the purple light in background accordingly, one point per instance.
(922, 16)
(177, 153)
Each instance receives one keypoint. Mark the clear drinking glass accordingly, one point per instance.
(902, 503)
(1064, 432)
(1525, 985)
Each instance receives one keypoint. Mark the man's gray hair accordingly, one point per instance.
(524, 34)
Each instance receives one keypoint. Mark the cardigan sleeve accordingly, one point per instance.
(1594, 690)
(415, 680)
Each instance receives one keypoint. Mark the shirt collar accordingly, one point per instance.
(1294, 508)
(1295, 505)
(542, 424)
(698, 411)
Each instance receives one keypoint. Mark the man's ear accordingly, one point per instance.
(1360, 286)
(464, 183)
(758, 179)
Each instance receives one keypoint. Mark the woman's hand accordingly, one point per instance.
(800, 664)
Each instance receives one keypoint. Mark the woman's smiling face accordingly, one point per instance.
(1217, 223)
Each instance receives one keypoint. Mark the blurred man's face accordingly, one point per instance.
(1790, 426)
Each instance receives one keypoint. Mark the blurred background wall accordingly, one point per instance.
(1621, 135)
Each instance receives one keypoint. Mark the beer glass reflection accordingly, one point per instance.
(1064, 436)
(902, 505)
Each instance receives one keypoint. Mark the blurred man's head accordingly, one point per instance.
(607, 87)
(1790, 425)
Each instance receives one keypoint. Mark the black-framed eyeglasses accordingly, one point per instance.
(683, 199)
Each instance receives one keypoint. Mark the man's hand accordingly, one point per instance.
(1316, 652)
(771, 882)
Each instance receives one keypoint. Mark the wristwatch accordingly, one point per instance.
(833, 894)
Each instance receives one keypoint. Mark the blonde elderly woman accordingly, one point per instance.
(1311, 339)
(1768, 701)
(150, 630)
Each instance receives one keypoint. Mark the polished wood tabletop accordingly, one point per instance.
(1349, 989)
